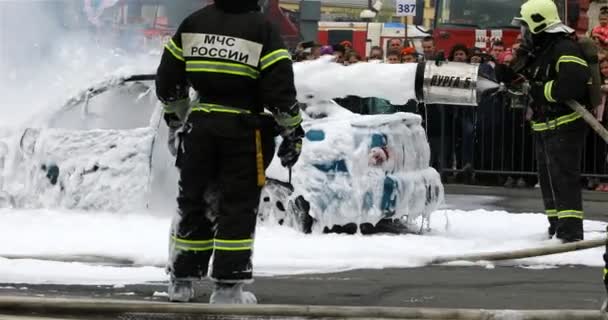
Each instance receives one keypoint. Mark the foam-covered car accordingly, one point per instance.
(105, 150)
(367, 173)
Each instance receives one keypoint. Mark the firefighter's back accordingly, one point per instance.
(222, 52)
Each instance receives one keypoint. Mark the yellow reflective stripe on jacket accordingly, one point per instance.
(289, 122)
(233, 245)
(570, 214)
(274, 57)
(551, 213)
(192, 245)
(176, 51)
(553, 124)
(548, 89)
(570, 59)
(210, 107)
(222, 67)
(605, 273)
(175, 106)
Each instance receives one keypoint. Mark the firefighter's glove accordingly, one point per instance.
(291, 146)
(177, 110)
(174, 125)
(288, 118)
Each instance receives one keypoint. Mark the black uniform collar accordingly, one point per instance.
(237, 6)
(544, 40)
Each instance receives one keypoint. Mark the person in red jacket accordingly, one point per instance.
(600, 33)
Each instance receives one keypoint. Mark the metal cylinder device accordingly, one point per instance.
(452, 83)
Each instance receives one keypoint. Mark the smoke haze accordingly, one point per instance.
(50, 50)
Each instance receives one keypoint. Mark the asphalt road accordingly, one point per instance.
(571, 287)
(441, 287)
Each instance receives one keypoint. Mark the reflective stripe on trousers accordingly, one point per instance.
(212, 244)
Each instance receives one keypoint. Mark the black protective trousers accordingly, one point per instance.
(220, 161)
(559, 154)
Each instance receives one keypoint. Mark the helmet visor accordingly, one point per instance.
(518, 22)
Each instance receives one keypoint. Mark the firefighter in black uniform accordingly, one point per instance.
(557, 71)
(236, 62)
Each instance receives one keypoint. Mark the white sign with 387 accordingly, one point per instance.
(405, 7)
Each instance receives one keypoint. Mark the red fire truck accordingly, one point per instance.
(478, 23)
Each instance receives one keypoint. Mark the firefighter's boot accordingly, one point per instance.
(180, 290)
(570, 229)
(552, 227)
(231, 293)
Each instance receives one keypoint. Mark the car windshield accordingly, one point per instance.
(483, 14)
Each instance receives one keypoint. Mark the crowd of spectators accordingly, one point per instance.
(599, 159)
(490, 144)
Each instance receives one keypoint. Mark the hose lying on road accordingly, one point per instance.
(103, 307)
(103, 260)
(489, 256)
(524, 253)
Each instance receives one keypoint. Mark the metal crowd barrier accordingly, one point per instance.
(500, 142)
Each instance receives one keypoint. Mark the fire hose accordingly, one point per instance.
(524, 253)
(80, 308)
(589, 118)
(474, 257)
